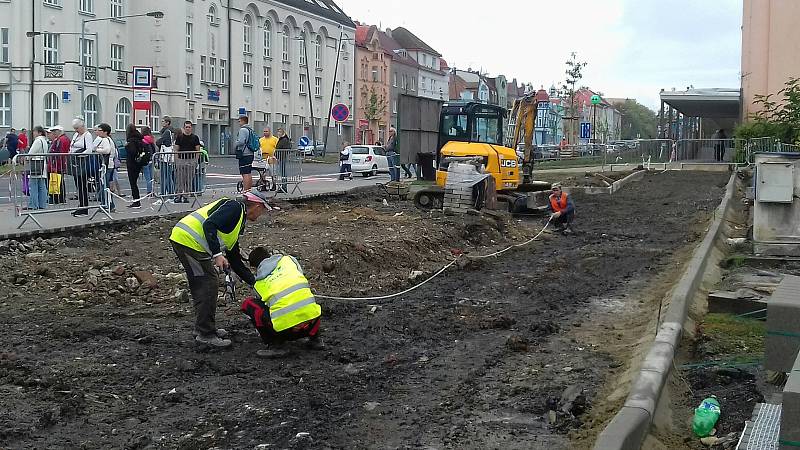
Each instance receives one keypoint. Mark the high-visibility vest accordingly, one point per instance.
(287, 294)
(560, 204)
(189, 231)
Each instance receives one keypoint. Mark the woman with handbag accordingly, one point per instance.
(107, 148)
(138, 157)
(38, 182)
(82, 166)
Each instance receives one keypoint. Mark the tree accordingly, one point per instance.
(574, 74)
(638, 121)
(778, 118)
(376, 106)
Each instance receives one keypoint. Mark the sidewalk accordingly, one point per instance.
(63, 221)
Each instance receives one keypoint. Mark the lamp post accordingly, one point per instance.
(595, 101)
(333, 89)
(153, 14)
(310, 100)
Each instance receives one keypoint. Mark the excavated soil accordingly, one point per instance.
(97, 350)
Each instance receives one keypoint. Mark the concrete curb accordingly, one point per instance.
(27, 234)
(629, 427)
(615, 186)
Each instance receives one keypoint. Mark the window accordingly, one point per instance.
(123, 115)
(318, 52)
(87, 54)
(52, 2)
(318, 86)
(4, 46)
(423, 83)
(247, 39)
(413, 83)
(268, 118)
(117, 8)
(202, 68)
(189, 85)
(285, 119)
(212, 15)
(5, 109)
(394, 80)
(267, 39)
(50, 48)
(189, 33)
(247, 76)
(337, 89)
(302, 50)
(223, 75)
(488, 129)
(350, 90)
(155, 116)
(285, 44)
(91, 110)
(405, 81)
(394, 106)
(50, 109)
(285, 81)
(117, 57)
(86, 6)
(212, 70)
(375, 76)
(303, 83)
(267, 77)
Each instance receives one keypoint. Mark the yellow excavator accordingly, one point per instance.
(472, 130)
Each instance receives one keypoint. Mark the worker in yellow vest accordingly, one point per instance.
(285, 308)
(207, 241)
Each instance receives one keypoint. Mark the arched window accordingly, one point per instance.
(212, 15)
(248, 34)
(50, 109)
(285, 42)
(123, 115)
(267, 39)
(302, 49)
(92, 111)
(155, 116)
(318, 52)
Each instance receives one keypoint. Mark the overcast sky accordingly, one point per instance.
(633, 47)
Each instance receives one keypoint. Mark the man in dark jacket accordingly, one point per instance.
(282, 151)
(12, 142)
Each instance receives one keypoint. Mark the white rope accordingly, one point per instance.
(439, 272)
(132, 200)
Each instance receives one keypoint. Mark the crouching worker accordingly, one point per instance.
(562, 210)
(285, 309)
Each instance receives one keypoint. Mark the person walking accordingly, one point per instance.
(58, 165)
(207, 240)
(38, 181)
(166, 162)
(138, 157)
(392, 156)
(283, 148)
(150, 146)
(12, 143)
(107, 148)
(187, 156)
(82, 166)
(345, 162)
(245, 154)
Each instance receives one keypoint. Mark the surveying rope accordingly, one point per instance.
(439, 272)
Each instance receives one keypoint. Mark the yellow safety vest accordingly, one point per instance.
(189, 231)
(287, 294)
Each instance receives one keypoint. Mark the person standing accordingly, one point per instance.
(150, 146)
(107, 148)
(268, 144)
(206, 241)
(345, 163)
(38, 171)
(22, 145)
(82, 166)
(187, 156)
(244, 154)
(165, 164)
(719, 145)
(59, 143)
(138, 157)
(391, 155)
(283, 149)
(12, 143)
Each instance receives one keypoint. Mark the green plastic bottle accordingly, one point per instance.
(705, 417)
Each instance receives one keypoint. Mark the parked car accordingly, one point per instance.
(311, 149)
(368, 160)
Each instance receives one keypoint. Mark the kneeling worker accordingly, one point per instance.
(285, 309)
(207, 240)
(562, 209)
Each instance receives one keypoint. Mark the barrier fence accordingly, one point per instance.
(177, 177)
(288, 170)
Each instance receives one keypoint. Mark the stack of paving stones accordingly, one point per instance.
(458, 188)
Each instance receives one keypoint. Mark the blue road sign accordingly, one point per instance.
(586, 130)
(304, 141)
(340, 112)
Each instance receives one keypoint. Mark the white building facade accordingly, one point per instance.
(212, 59)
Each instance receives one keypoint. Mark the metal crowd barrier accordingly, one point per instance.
(49, 183)
(178, 175)
(288, 170)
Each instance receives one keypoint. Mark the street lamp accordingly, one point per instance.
(333, 88)
(310, 100)
(153, 14)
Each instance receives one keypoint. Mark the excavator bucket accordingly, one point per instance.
(524, 114)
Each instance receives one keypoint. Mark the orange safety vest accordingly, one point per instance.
(558, 205)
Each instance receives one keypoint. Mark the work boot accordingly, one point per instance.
(221, 333)
(315, 344)
(213, 341)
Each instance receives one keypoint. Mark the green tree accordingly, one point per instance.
(778, 115)
(638, 121)
(376, 106)
(574, 74)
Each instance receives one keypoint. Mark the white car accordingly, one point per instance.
(368, 160)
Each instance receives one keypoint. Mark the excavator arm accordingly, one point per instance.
(524, 116)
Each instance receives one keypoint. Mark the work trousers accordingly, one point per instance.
(203, 285)
(258, 312)
(564, 220)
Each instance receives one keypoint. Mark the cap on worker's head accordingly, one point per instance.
(556, 186)
(55, 128)
(256, 197)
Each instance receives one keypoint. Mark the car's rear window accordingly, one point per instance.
(360, 150)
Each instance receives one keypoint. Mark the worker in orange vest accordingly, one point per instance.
(562, 210)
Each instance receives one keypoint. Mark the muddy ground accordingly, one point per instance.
(498, 353)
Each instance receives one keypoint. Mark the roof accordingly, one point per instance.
(711, 103)
(410, 41)
(443, 64)
(324, 8)
(362, 32)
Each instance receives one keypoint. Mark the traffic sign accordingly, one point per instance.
(304, 141)
(340, 112)
(586, 130)
(142, 77)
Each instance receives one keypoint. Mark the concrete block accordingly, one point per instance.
(790, 413)
(783, 326)
(626, 431)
